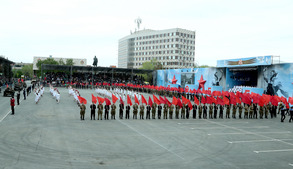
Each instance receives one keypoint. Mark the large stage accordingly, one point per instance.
(255, 74)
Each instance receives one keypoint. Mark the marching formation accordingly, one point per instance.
(55, 93)
(38, 93)
(225, 105)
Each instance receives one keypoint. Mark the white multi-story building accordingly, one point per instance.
(173, 48)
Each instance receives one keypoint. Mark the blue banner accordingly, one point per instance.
(251, 61)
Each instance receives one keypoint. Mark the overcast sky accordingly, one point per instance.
(225, 29)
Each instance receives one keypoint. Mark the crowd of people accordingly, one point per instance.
(85, 80)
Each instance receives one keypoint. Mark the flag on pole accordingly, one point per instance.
(129, 100)
(174, 101)
(143, 100)
(94, 99)
(114, 98)
(82, 100)
(150, 101)
(136, 100)
(100, 100)
(108, 102)
(156, 100)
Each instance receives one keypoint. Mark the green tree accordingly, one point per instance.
(69, 62)
(17, 73)
(27, 70)
(49, 61)
(61, 62)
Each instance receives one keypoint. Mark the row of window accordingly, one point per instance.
(164, 52)
(164, 58)
(165, 46)
(166, 35)
(165, 41)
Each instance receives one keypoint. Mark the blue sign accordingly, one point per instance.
(252, 61)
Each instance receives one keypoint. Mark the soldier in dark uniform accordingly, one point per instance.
(291, 114)
(194, 111)
(250, 111)
(135, 110)
(82, 111)
(141, 111)
(113, 111)
(274, 111)
(106, 115)
(159, 111)
(177, 112)
(210, 111)
(148, 112)
(215, 111)
(221, 112)
(93, 110)
(127, 111)
(228, 111)
(268, 110)
(183, 112)
(154, 109)
(100, 111)
(24, 95)
(205, 111)
(187, 111)
(121, 107)
(283, 111)
(171, 109)
(165, 112)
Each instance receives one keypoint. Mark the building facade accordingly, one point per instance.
(173, 48)
(76, 62)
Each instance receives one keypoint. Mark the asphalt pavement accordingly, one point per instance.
(51, 135)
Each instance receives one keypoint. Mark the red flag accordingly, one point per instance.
(261, 101)
(274, 100)
(179, 103)
(256, 98)
(108, 102)
(196, 101)
(94, 99)
(220, 101)
(226, 100)
(136, 100)
(21, 80)
(246, 99)
(174, 101)
(114, 98)
(217, 93)
(129, 100)
(203, 100)
(143, 100)
(238, 100)
(190, 105)
(100, 100)
(150, 101)
(82, 100)
(156, 100)
(167, 101)
(121, 101)
(209, 100)
(184, 100)
(18, 80)
(162, 100)
(290, 100)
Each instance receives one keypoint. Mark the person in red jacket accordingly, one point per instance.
(12, 104)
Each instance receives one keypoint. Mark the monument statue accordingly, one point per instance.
(95, 61)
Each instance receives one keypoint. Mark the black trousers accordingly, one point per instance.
(283, 117)
(93, 115)
(148, 115)
(127, 115)
(12, 109)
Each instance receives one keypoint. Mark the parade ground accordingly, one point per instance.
(51, 135)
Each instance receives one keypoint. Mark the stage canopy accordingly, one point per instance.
(95, 69)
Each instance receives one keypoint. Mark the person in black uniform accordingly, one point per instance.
(291, 114)
(283, 112)
(254, 111)
(148, 112)
(215, 111)
(107, 108)
(194, 111)
(18, 97)
(121, 107)
(159, 111)
(187, 112)
(221, 112)
(93, 110)
(274, 111)
(127, 111)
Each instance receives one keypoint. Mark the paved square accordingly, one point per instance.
(51, 135)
